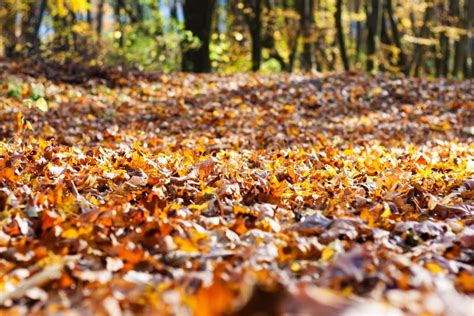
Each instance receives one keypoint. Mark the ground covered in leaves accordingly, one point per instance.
(207, 195)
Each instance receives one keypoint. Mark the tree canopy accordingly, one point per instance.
(431, 37)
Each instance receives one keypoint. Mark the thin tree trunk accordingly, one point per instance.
(61, 41)
(340, 35)
(8, 28)
(293, 49)
(100, 18)
(468, 65)
(443, 56)
(139, 11)
(374, 17)
(27, 20)
(305, 9)
(420, 49)
(460, 46)
(453, 15)
(323, 58)
(32, 17)
(395, 34)
(254, 21)
(75, 40)
(89, 17)
(384, 37)
(292, 39)
(307, 45)
(358, 32)
(174, 10)
(198, 20)
(37, 26)
(256, 48)
(118, 21)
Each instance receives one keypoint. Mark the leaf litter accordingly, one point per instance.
(239, 194)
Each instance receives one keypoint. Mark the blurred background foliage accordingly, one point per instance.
(415, 37)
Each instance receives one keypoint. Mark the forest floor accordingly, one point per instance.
(239, 194)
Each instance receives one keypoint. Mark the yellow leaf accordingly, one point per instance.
(199, 207)
(185, 245)
(28, 126)
(295, 267)
(58, 8)
(70, 233)
(434, 267)
(19, 121)
(470, 166)
(375, 91)
(289, 108)
(386, 213)
(327, 254)
(43, 143)
(348, 290)
(208, 190)
(41, 105)
(79, 6)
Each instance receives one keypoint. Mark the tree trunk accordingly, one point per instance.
(384, 37)
(27, 20)
(306, 10)
(292, 37)
(174, 10)
(198, 20)
(253, 18)
(420, 49)
(8, 28)
(100, 18)
(119, 5)
(468, 64)
(89, 17)
(256, 47)
(358, 32)
(374, 19)
(269, 38)
(31, 35)
(293, 48)
(460, 46)
(340, 35)
(395, 34)
(444, 55)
